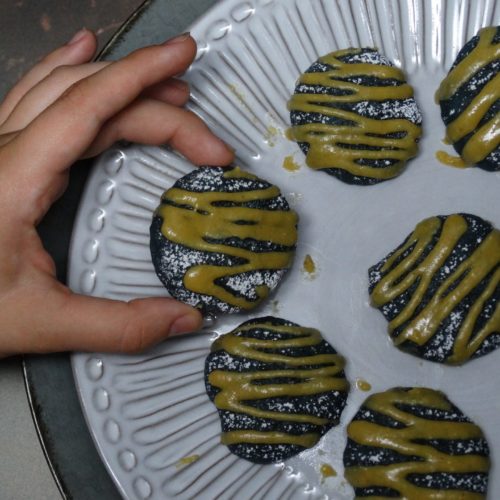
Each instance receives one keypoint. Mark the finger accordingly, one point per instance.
(79, 50)
(61, 78)
(45, 92)
(71, 322)
(76, 118)
(5, 138)
(153, 122)
(89, 323)
(173, 91)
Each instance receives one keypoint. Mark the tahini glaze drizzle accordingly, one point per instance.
(487, 138)
(422, 326)
(194, 219)
(450, 160)
(238, 389)
(327, 142)
(402, 440)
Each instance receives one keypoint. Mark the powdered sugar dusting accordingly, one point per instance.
(173, 260)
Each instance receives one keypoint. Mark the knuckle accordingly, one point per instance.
(137, 82)
(76, 94)
(134, 337)
(43, 261)
(138, 55)
(59, 72)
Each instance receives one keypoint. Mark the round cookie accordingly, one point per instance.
(413, 443)
(440, 289)
(354, 117)
(469, 98)
(222, 239)
(278, 387)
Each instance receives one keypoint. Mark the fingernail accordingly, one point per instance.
(77, 37)
(185, 324)
(178, 39)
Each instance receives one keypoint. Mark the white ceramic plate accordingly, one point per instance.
(153, 424)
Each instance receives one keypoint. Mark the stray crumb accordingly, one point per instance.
(327, 471)
(309, 266)
(294, 198)
(272, 133)
(241, 98)
(363, 385)
(275, 307)
(238, 94)
(187, 461)
(290, 164)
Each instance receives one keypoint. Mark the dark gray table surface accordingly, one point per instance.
(29, 29)
(69, 449)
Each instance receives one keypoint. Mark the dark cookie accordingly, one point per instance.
(278, 388)
(354, 117)
(440, 289)
(414, 443)
(470, 103)
(222, 239)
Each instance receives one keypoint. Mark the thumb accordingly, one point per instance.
(70, 322)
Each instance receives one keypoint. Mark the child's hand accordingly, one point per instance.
(63, 109)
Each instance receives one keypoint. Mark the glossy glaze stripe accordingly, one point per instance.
(273, 377)
(446, 263)
(413, 443)
(470, 101)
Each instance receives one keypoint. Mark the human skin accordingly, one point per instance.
(64, 109)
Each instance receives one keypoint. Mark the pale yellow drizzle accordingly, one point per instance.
(327, 142)
(487, 138)
(422, 326)
(187, 461)
(402, 440)
(451, 161)
(206, 220)
(238, 389)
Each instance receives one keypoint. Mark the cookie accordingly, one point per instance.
(469, 98)
(354, 117)
(440, 289)
(278, 387)
(413, 443)
(222, 239)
